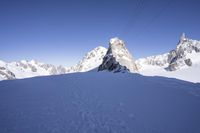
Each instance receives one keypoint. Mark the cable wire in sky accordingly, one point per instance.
(151, 20)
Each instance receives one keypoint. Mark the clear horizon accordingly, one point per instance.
(62, 32)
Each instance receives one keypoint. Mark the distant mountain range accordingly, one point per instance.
(183, 63)
(26, 69)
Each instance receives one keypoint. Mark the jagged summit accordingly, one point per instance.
(181, 62)
(118, 58)
(116, 41)
(91, 60)
(185, 54)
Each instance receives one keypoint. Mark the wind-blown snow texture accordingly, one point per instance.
(99, 103)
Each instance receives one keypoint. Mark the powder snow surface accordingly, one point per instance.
(99, 103)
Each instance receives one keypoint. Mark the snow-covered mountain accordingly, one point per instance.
(177, 58)
(90, 61)
(4, 72)
(103, 102)
(118, 58)
(183, 62)
(26, 69)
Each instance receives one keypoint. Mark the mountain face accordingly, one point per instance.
(118, 58)
(91, 60)
(181, 55)
(183, 62)
(5, 73)
(25, 69)
(178, 58)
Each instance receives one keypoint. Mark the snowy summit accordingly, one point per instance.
(118, 58)
(91, 60)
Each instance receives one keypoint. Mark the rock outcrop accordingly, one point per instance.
(118, 58)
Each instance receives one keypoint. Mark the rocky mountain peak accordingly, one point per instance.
(184, 55)
(116, 42)
(118, 58)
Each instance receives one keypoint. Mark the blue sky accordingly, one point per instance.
(62, 31)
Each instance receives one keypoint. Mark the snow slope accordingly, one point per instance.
(99, 103)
